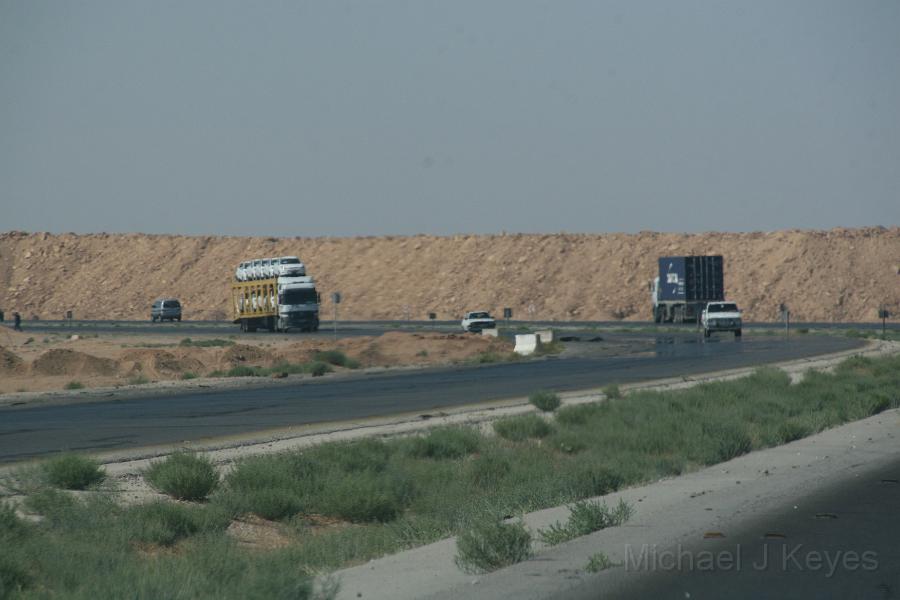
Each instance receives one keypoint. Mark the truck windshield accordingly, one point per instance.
(299, 296)
(290, 261)
(479, 316)
(723, 308)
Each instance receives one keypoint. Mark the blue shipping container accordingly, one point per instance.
(691, 278)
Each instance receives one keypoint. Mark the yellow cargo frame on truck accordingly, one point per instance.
(255, 305)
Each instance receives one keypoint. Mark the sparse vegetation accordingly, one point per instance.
(368, 498)
(491, 545)
(184, 476)
(545, 401)
(187, 375)
(550, 348)
(612, 391)
(72, 471)
(74, 385)
(586, 517)
(139, 379)
(599, 562)
(336, 358)
(522, 427)
(314, 368)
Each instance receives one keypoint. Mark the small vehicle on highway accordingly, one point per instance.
(474, 322)
(165, 309)
(721, 316)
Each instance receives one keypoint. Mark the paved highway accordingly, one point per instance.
(357, 328)
(126, 423)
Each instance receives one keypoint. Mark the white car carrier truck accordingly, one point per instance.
(276, 304)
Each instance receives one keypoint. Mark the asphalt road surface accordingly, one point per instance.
(126, 423)
(357, 328)
(838, 543)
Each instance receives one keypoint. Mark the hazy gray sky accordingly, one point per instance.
(359, 118)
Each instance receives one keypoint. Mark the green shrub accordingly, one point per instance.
(365, 496)
(445, 443)
(588, 481)
(336, 358)
(612, 391)
(578, 414)
(545, 401)
(599, 562)
(522, 427)
(586, 517)
(317, 369)
(188, 375)
(51, 503)
(244, 371)
(793, 430)
(74, 385)
(490, 546)
(138, 380)
(568, 442)
(488, 470)
(184, 476)
(165, 523)
(72, 471)
(11, 526)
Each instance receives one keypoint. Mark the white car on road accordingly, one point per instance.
(721, 316)
(476, 321)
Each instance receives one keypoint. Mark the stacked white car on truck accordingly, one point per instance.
(274, 294)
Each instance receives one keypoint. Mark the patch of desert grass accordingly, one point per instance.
(72, 471)
(184, 476)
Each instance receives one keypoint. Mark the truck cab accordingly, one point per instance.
(475, 321)
(721, 316)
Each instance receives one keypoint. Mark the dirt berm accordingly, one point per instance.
(836, 275)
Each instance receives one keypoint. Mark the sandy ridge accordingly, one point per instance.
(835, 275)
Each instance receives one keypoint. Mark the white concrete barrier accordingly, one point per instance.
(526, 344)
(545, 336)
(489, 332)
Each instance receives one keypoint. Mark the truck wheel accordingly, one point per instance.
(657, 315)
(706, 333)
(244, 325)
(737, 333)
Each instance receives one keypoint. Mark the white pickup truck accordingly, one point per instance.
(721, 316)
(476, 321)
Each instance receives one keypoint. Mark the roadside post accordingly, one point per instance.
(335, 300)
(431, 317)
(507, 314)
(786, 317)
(69, 317)
(884, 315)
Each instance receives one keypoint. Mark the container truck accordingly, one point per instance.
(276, 304)
(684, 286)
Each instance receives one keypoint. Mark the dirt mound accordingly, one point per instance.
(398, 348)
(158, 363)
(241, 354)
(836, 275)
(71, 362)
(10, 362)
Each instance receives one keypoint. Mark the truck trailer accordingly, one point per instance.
(276, 304)
(684, 286)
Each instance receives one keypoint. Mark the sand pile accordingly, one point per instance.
(836, 275)
(241, 354)
(396, 348)
(160, 363)
(10, 362)
(71, 362)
